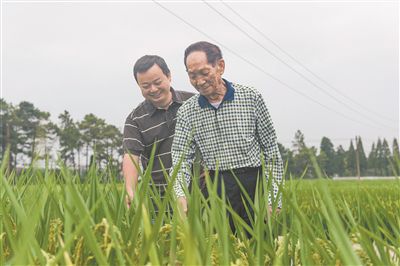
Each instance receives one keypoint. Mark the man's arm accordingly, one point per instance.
(133, 146)
(131, 174)
(269, 145)
(183, 148)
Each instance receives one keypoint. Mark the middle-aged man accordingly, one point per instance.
(230, 125)
(152, 122)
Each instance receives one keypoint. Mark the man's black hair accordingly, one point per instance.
(146, 62)
(212, 51)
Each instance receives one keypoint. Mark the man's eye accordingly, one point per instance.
(145, 87)
(157, 83)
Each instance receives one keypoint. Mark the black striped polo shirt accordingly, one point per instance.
(147, 125)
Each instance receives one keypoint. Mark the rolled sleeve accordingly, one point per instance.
(268, 141)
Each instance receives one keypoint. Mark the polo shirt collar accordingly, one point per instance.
(229, 95)
(151, 109)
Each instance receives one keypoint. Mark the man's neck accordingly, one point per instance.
(166, 104)
(219, 95)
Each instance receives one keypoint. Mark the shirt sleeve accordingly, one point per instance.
(182, 152)
(132, 140)
(269, 145)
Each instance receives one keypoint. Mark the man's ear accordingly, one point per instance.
(169, 77)
(221, 66)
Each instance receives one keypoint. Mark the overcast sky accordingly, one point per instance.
(78, 56)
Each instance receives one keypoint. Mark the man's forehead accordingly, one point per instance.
(150, 80)
(198, 68)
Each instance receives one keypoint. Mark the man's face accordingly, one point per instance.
(205, 77)
(155, 86)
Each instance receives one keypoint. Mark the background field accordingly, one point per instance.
(54, 218)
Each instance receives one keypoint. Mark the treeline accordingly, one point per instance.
(30, 134)
(381, 160)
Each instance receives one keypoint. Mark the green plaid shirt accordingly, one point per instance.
(232, 136)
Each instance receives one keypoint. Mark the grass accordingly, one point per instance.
(55, 218)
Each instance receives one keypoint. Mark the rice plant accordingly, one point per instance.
(53, 217)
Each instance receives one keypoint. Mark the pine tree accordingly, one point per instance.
(302, 156)
(30, 125)
(396, 157)
(372, 161)
(386, 154)
(326, 157)
(379, 158)
(361, 157)
(298, 143)
(111, 141)
(340, 161)
(92, 128)
(351, 161)
(287, 158)
(69, 137)
(8, 135)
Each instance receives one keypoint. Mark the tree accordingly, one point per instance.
(302, 156)
(351, 164)
(298, 143)
(379, 158)
(91, 128)
(385, 157)
(287, 158)
(30, 124)
(382, 158)
(112, 145)
(395, 147)
(340, 161)
(8, 136)
(362, 159)
(326, 157)
(396, 157)
(69, 137)
(372, 161)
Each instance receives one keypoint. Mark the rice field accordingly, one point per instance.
(52, 217)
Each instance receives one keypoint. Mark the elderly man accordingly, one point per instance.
(152, 122)
(230, 125)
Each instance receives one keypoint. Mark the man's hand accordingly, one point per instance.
(129, 198)
(277, 211)
(182, 204)
(130, 172)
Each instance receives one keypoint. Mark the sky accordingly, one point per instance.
(327, 68)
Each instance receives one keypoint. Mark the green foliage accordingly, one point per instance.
(362, 159)
(50, 219)
(69, 137)
(326, 156)
(100, 139)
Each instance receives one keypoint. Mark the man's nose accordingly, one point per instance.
(200, 82)
(153, 88)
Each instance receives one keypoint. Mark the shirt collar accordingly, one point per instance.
(151, 109)
(229, 95)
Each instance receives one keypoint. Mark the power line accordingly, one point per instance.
(302, 65)
(292, 68)
(262, 70)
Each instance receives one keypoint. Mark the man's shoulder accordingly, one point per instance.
(191, 101)
(189, 105)
(184, 95)
(244, 89)
(138, 111)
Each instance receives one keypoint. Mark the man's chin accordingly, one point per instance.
(204, 92)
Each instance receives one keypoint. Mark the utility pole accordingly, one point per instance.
(357, 160)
